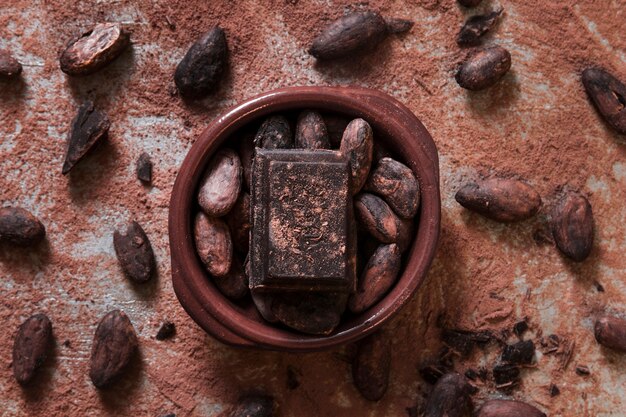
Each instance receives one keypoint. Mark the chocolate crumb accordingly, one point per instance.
(554, 390)
(520, 353)
(582, 370)
(166, 331)
(520, 328)
(506, 375)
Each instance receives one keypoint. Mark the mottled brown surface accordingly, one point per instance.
(31, 347)
(537, 122)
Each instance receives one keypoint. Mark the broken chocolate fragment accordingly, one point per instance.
(506, 375)
(483, 68)
(134, 252)
(520, 328)
(166, 331)
(464, 341)
(311, 131)
(371, 366)
(274, 133)
(554, 390)
(31, 347)
(19, 227)
(508, 408)
(213, 244)
(397, 185)
(144, 168)
(610, 331)
(520, 353)
(88, 127)
(475, 27)
(221, 183)
(450, 397)
(357, 144)
(608, 95)
(572, 226)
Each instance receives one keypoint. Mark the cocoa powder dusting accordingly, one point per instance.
(535, 124)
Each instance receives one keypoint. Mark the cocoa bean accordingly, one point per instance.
(9, 67)
(94, 49)
(200, 71)
(397, 185)
(354, 33)
(469, 3)
(520, 353)
(572, 226)
(238, 220)
(19, 227)
(357, 145)
(335, 126)
(610, 331)
(213, 244)
(608, 94)
(378, 277)
(134, 252)
(371, 366)
(311, 313)
(88, 127)
(450, 397)
(274, 133)
(378, 219)
(311, 131)
(166, 331)
(504, 200)
(234, 284)
(483, 68)
(396, 25)
(144, 168)
(31, 347)
(508, 408)
(114, 345)
(221, 183)
(475, 27)
(254, 406)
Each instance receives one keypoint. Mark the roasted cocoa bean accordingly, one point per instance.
(450, 397)
(234, 284)
(335, 126)
(397, 185)
(144, 168)
(572, 226)
(200, 71)
(608, 94)
(353, 33)
(371, 366)
(94, 49)
(88, 127)
(238, 220)
(396, 25)
(254, 406)
(9, 67)
(166, 331)
(19, 227)
(221, 183)
(475, 27)
(214, 244)
(504, 200)
(114, 345)
(378, 219)
(610, 331)
(311, 131)
(31, 347)
(357, 145)
(274, 133)
(469, 3)
(311, 313)
(378, 277)
(501, 408)
(520, 353)
(483, 68)
(134, 252)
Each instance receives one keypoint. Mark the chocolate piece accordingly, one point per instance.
(88, 128)
(144, 168)
(302, 229)
(520, 353)
(31, 347)
(506, 375)
(166, 331)
(475, 27)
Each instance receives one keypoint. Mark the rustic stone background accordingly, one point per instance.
(536, 124)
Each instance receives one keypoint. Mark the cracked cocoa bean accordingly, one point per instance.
(94, 49)
(379, 220)
(234, 284)
(483, 68)
(377, 278)
(134, 252)
(31, 347)
(200, 71)
(610, 331)
(221, 183)
(214, 244)
(572, 226)
(274, 133)
(475, 27)
(397, 185)
(144, 168)
(357, 144)
(450, 397)
(354, 33)
(19, 227)
(114, 345)
(311, 131)
(504, 200)
(255, 405)
(608, 94)
(371, 366)
(10, 67)
(238, 220)
(88, 128)
(508, 408)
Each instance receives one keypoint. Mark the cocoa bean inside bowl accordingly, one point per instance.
(239, 323)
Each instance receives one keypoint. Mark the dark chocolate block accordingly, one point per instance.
(303, 233)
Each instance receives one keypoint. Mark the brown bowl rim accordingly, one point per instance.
(227, 322)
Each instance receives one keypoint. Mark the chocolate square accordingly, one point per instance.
(303, 233)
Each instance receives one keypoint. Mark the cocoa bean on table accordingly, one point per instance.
(221, 183)
(608, 94)
(371, 366)
(88, 128)
(379, 220)
(274, 133)
(10, 67)
(201, 69)
(475, 27)
(610, 331)
(31, 347)
(450, 397)
(238, 220)
(144, 168)
(311, 131)
(508, 408)
(213, 244)
(504, 200)
(397, 185)
(357, 145)
(134, 252)
(114, 345)
(572, 226)
(255, 405)
(94, 49)
(483, 68)
(19, 227)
